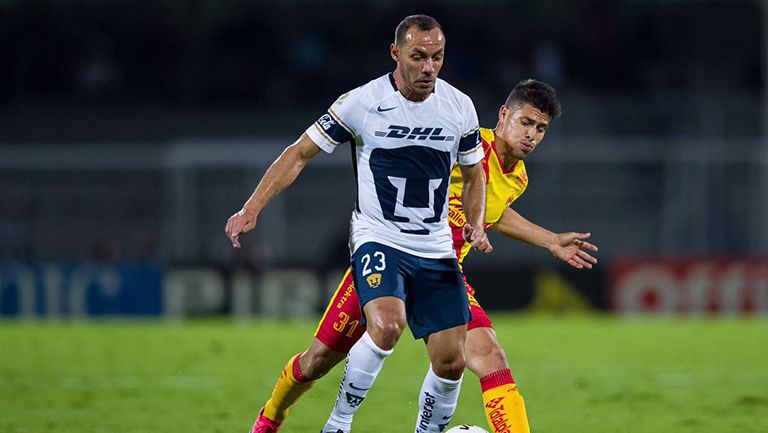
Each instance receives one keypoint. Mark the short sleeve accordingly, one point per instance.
(470, 147)
(339, 123)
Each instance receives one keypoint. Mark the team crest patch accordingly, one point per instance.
(374, 280)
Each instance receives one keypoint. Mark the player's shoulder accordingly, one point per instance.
(459, 104)
(448, 91)
(487, 135)
(378, 87)
(373, 90)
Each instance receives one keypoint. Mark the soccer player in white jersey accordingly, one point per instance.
(408, 128)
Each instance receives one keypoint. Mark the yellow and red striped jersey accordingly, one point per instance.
(502, 188)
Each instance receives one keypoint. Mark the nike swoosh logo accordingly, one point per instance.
(352, 385)
(381, 110)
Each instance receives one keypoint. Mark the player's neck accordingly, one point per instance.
(407, 93)
(505, 156)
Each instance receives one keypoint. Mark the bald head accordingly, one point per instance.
(421, 22)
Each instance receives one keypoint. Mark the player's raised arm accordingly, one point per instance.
(473, 201)
(280, 175)
(570, 247)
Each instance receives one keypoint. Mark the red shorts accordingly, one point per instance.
(340, 326)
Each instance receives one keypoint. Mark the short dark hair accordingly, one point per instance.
(539, 94)
(423, 22)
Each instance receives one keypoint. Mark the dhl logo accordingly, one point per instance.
(418, 133)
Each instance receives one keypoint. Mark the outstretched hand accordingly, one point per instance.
(477, 237)
(572, 248)
(239, 223)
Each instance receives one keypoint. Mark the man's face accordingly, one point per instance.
(521, 129)
(419, 59)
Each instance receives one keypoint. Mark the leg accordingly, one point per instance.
(446, 352)
(440, 390)
(379, 281)
(385, 318)
(296, 379)
(318, 360)
(439, 314)
(335, 335)
(484, 354)
(504, 406)
(385, 321)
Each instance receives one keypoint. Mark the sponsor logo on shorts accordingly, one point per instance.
(345, 296)
(472, 301)
(374, 280)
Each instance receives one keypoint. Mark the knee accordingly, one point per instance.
(449, 367)
(386, 333)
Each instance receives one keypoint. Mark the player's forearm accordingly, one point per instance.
(514, 225)
(473, 196)
(280, 175)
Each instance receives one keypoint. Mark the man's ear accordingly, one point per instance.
(393, 51)
(503, 112)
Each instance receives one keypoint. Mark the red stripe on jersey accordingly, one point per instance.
(486, 151)
(458, 240)
(501, 163)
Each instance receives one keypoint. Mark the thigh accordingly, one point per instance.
(340, 327)
(378, 272)
(437, 297)
(479, 318)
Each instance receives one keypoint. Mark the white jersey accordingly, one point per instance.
(404, 154)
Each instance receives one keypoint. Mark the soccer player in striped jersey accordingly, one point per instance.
(522, 123)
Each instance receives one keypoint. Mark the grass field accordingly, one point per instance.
(585, 374)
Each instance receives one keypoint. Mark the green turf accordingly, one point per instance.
(587, 374)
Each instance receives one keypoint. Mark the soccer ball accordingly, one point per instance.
(466, 429)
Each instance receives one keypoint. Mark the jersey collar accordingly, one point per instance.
(498, 158)
(391, 76)
(392, 80)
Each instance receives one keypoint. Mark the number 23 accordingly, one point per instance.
(366, 262)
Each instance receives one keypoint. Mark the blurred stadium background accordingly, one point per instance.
(131, 130)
